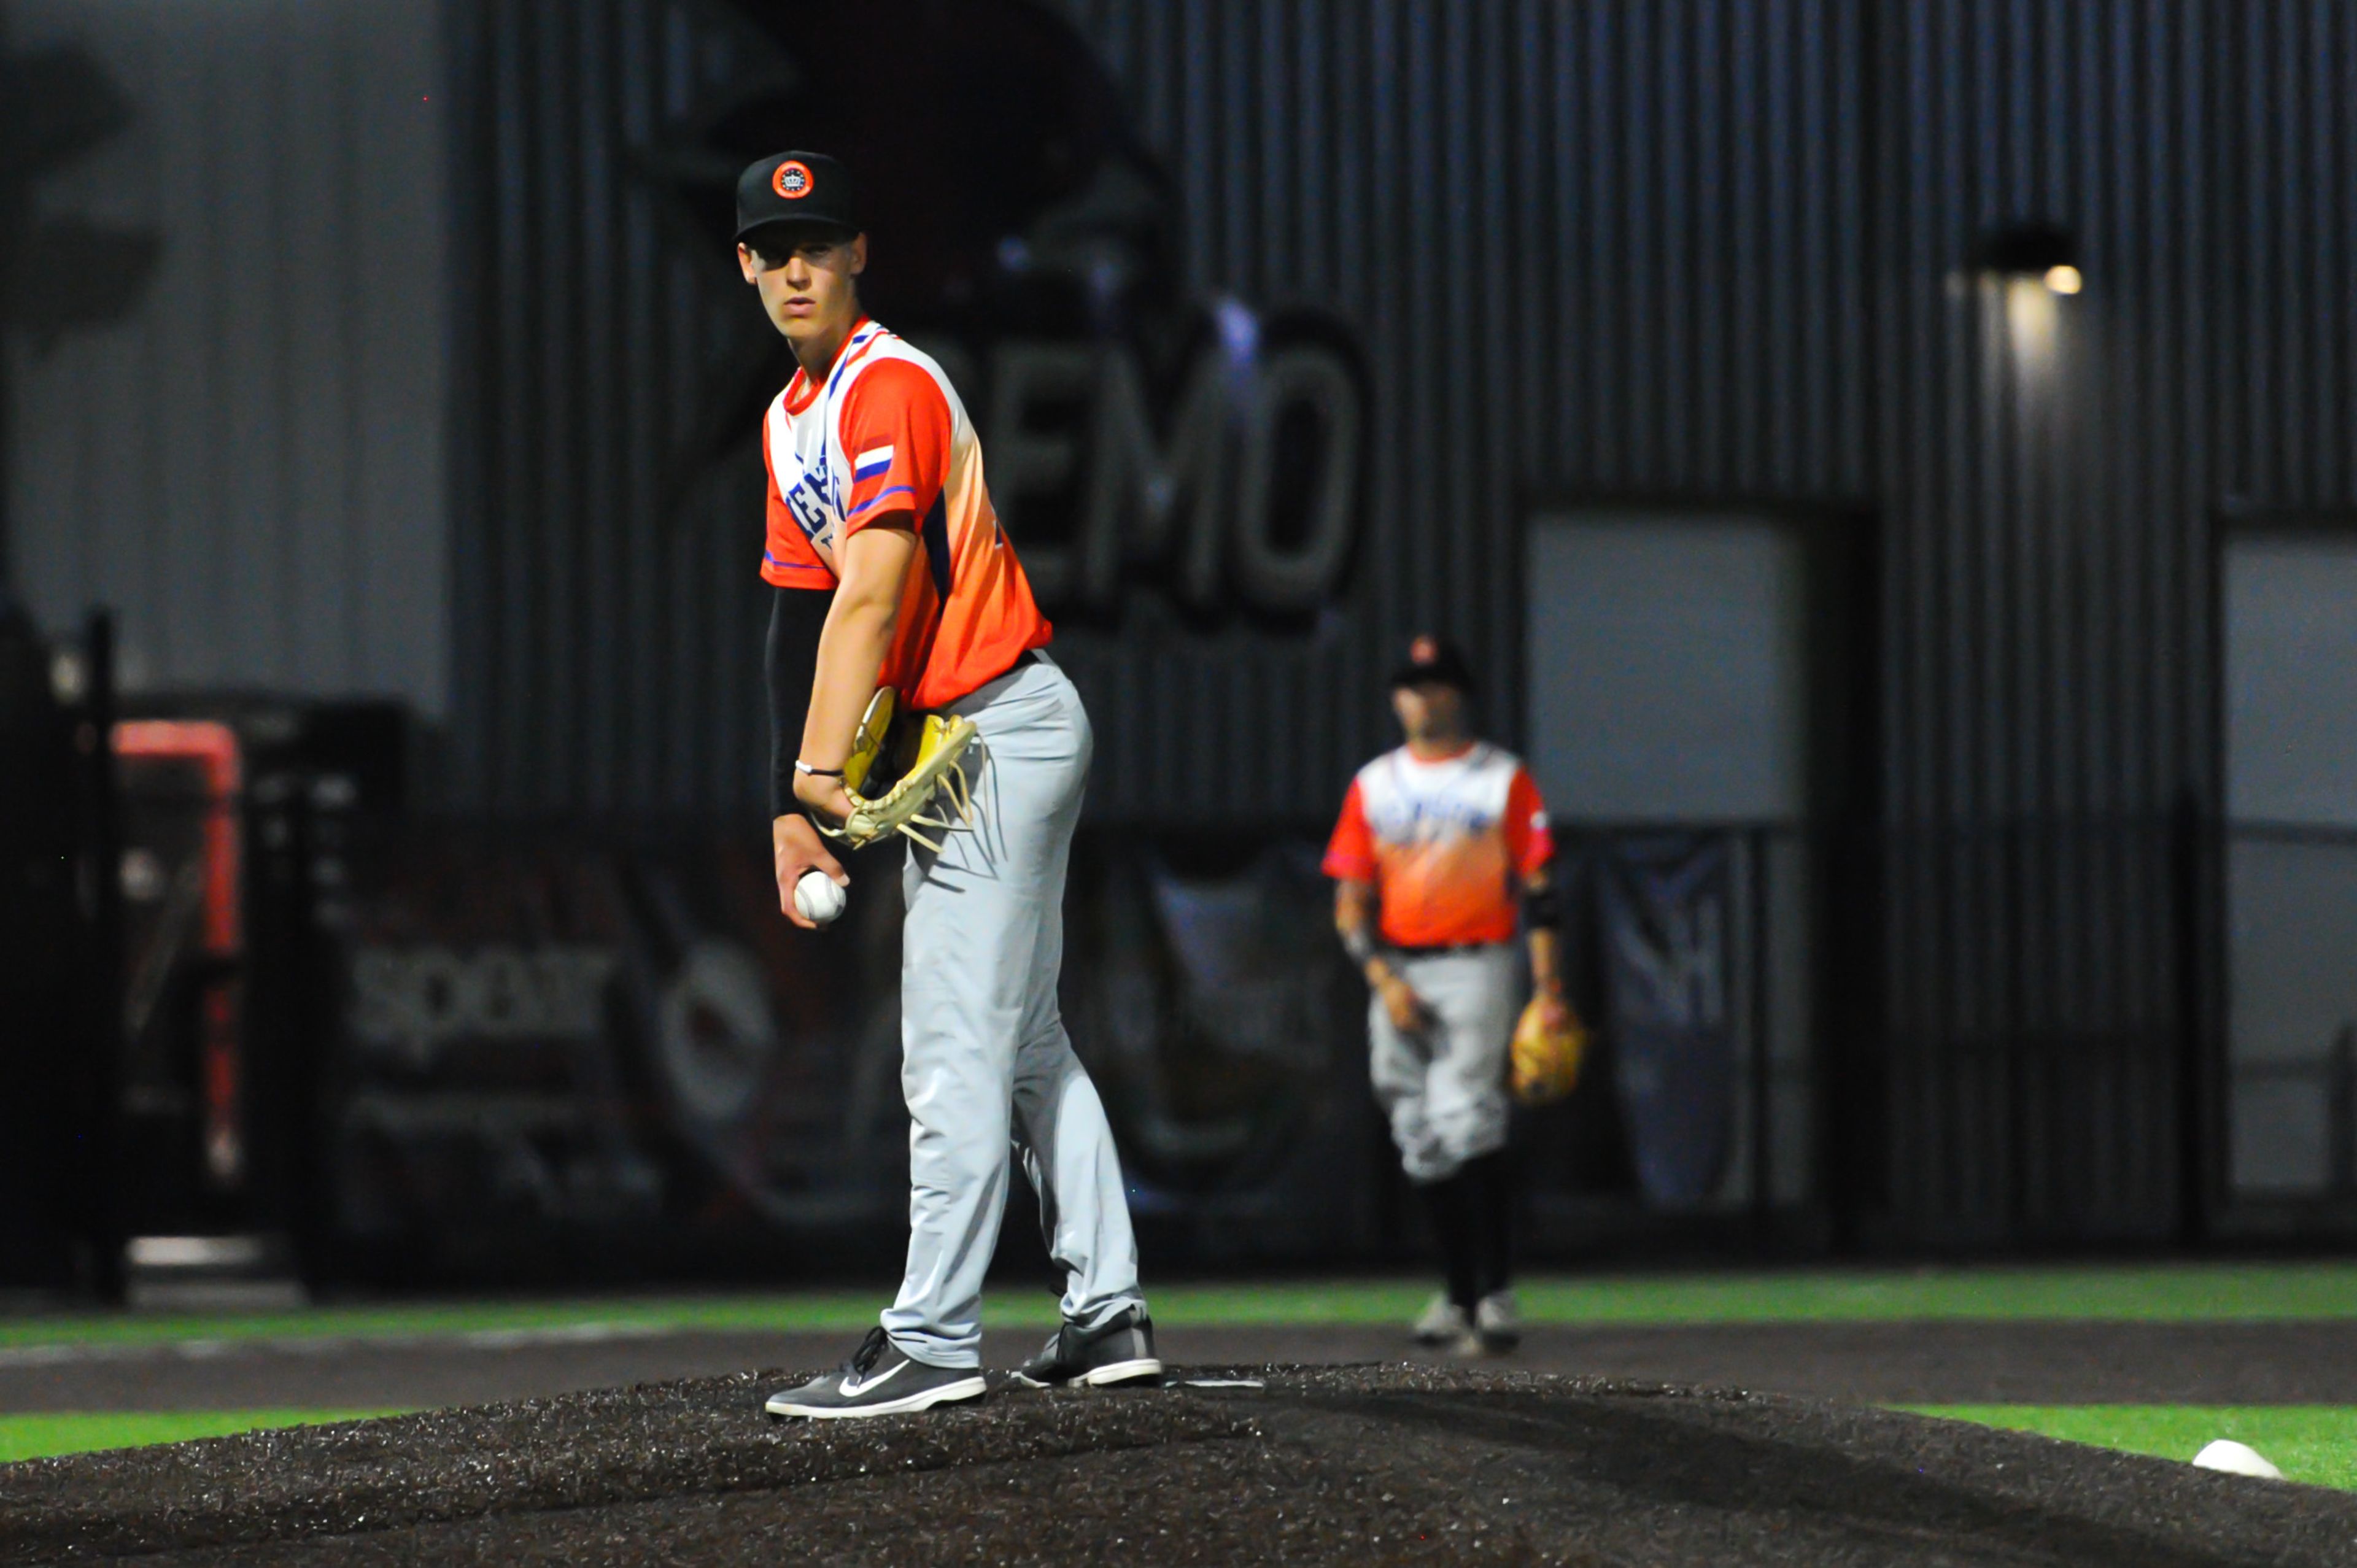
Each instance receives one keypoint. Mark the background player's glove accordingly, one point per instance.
(938, 773)
(1546, 1060)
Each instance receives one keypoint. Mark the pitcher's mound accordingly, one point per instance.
(1370, 1464)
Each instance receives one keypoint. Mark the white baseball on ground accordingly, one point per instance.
(2235, 1459)
(817, 897)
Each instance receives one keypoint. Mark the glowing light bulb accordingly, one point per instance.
(2063, 279)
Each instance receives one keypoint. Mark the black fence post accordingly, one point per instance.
(2200, 1119)
(1763, 1195)
(100, 1222)
(2341, 1114)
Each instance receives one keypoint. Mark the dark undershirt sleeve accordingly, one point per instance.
(796, 616)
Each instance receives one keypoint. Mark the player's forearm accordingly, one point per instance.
(1542, 913)
(1354, 922)
(850, 653)
(874, 563)
(1546, 960)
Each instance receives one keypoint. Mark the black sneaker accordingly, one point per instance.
(878, 1380)
(1120, 1351)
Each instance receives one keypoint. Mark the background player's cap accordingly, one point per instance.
(795, 188)
(1434, 660)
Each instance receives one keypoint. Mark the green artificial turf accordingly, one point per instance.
(2312, 1443)
(85, 1432)
(2193, 1293)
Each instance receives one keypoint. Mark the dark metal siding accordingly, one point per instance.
(246, 458)
(1697, 250)
(1672, 315)
(609, 635)
(1593, 249)
(2043, 513)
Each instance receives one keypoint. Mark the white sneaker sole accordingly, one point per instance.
(1474, 1346)
(963, 1388)
(1118, 1372)
(1111, 1375)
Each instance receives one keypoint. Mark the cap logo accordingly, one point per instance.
(1423, 650)
(792, 179)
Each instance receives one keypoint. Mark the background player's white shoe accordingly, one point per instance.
(1498, 1321)
(1442, 1322)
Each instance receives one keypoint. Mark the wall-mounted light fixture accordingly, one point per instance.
(2029, 265)
(2031, 249)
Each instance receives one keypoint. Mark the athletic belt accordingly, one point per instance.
(1438, 948)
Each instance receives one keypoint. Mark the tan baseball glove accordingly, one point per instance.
(1547, 1062)
(934, 773)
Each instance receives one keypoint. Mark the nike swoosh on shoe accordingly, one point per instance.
(854, 1385)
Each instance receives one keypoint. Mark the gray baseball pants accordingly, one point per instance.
(984, 1059)
(1445, 1089)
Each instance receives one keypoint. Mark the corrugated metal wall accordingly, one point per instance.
(2282, 347)
(2044, 499)
(1694, 250)
(1685, 315)
(251, 466)
(2050, 490)
(1593, 249)
(606, 633)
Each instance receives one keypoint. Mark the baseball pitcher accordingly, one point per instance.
(891, 576)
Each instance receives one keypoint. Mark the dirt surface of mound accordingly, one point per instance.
(1356, 1463)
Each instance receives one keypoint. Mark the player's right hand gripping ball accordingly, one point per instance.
(1546, 1061)
(818, 899)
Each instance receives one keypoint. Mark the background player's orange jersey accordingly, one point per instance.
(1444, 842)
(884, 433)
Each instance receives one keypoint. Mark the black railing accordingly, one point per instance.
(2290, 965)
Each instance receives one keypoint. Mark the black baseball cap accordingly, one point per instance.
(1435, 660)
(795, 188)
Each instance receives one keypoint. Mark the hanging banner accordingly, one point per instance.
(547, 1038)
(555, 1049)
(1205, 990)
(1666, 903)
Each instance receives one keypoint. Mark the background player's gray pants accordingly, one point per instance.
(1445, 1091)
(984, 1052)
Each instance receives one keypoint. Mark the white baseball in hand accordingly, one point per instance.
(817, 897)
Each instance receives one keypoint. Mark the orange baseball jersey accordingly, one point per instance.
(1444, 842)
(885, 434)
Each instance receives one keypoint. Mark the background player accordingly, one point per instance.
(890, 569)
(1434, 840)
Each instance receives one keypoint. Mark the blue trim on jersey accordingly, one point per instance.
(798, 569)
(879, 495)
(880, 466)
(842, 361)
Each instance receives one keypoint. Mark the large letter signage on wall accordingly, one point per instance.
(1145, 440)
